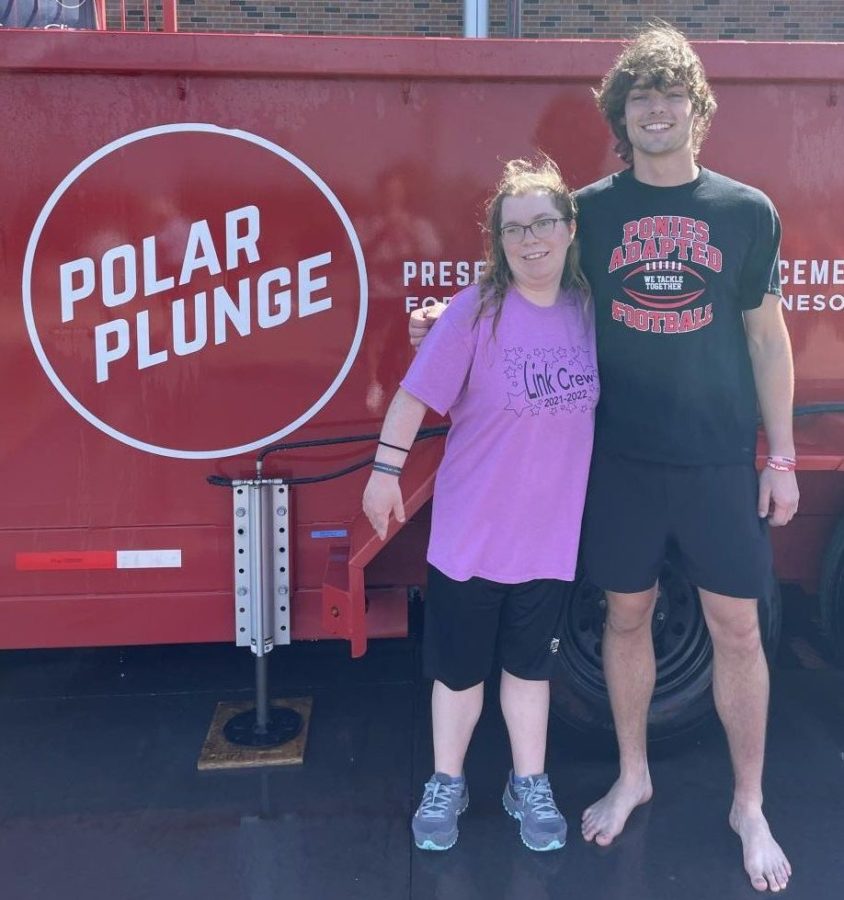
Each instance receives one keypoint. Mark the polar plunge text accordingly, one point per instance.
(125, 273)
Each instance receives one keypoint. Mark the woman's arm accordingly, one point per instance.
(383, 494)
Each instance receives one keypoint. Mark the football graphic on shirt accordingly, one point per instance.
(664, 284)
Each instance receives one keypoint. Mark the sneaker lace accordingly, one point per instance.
(540, 800)
(437, 799)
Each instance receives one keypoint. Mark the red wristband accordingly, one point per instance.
(781, 463)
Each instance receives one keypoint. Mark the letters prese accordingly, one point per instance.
(445, 273)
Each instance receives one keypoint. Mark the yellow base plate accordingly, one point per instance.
(218, 753)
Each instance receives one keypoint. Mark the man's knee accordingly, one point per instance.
(630, 613)
(737, 632)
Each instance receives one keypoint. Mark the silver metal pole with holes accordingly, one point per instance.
(261, 515)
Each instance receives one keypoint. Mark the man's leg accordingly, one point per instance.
(455, 715)
(630, 671)
(740, 686)
(525, 707)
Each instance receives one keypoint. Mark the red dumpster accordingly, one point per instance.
(210, 246)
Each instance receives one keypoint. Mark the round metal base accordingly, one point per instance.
(283, 724)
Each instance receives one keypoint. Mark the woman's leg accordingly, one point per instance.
(527, 795)
(454, 715)
(525, 708)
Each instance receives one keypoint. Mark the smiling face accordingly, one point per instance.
(659, 123)
(536, 263)
(660, 57)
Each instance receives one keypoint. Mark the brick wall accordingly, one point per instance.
(811, 20)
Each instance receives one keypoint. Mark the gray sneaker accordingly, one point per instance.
(532, 803)
(435, 822)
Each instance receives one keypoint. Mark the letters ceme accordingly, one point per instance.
(821, 276)
(125, 273)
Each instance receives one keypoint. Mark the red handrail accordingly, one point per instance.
(169, 15)
(87, 15)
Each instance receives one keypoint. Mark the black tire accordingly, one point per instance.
(832, 592)
(683, 697)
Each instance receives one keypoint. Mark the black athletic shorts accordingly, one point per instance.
(635, 509)
(468, 624)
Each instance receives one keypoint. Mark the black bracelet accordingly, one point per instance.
(393, 446)
(386, 469)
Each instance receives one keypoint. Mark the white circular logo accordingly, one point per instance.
(194, 291)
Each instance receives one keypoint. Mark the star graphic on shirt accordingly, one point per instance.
(511, 355)
(534, 409)
(514, 383)
(517, 403)
(549, 355)
(510, 371)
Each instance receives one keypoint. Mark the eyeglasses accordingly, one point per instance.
(541, 228)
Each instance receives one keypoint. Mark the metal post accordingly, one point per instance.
(258, 575)
(475, 18)
(514, 18)
(262, 607)
(100, 15)
(262, 698)
(171, 15)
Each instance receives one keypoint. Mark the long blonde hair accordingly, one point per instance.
(522, 176)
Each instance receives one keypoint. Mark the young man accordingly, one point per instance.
(684, 268)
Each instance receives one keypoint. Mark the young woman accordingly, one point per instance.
(513, 364)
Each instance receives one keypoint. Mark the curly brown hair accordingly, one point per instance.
(659, 57)
(522, 176)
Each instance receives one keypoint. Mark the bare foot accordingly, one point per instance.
(764, 861)
(604, 820)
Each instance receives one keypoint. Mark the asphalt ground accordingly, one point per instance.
(100, 796)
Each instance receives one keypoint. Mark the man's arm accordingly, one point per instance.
(773, 371)
(422, 321)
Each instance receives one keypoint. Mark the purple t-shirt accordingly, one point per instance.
(509, 494)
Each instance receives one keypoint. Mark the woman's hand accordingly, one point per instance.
(382, 497)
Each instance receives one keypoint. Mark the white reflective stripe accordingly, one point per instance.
(149, 559)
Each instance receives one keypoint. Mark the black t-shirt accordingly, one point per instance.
(671, 270)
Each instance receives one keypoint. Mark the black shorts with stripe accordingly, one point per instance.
(469, 625)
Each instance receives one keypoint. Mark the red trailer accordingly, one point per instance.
(210, 247)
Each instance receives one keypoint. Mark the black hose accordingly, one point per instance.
(816, 409)
(809, 409)
(423, 435)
